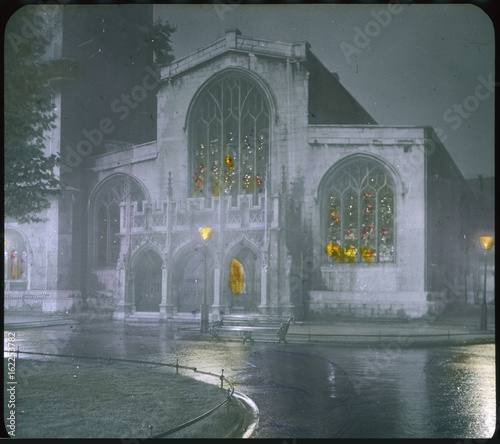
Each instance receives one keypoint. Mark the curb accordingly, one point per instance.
(362, 340)
(39, 324)
(250, 418)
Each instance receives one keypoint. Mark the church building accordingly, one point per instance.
(268, 191)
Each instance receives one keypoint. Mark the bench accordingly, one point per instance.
(218, 327)
(283, 330)
(246, 332)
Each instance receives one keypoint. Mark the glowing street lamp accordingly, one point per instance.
(205, 233)
(486, 243)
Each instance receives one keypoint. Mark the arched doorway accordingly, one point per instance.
(147, 282)
(249, 299)
(188, 279)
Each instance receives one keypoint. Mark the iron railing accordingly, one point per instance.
(177, 366)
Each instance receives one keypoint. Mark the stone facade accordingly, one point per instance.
(144, 252)
(37, 257)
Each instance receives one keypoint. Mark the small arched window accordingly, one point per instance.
(229, 138)
(15, 260)
(358, 212)
(106, 241)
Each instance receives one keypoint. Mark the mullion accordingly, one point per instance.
(377, 237)
(108, 237)
(254, 151)
(360, 218)
(343, 206)
(239, 135)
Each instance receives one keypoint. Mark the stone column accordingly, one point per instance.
(273, 274)
(263, 288)
(164, 286)
(216, 305)
(170, 307)
(287, 307)
(121, 308)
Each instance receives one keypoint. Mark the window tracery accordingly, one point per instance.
(360, 213)
(114, 191)
(230, 139)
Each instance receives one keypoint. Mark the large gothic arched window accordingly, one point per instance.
(106, 240)
(229, 138)
(358, 212)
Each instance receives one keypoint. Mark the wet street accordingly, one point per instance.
(315, 391)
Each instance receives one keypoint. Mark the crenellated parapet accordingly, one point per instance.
(159, 223)
(185, 214)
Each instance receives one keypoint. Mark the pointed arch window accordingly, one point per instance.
(358, 213)
(15, 261)
(229, 139)
(106, 240)
(15, 257)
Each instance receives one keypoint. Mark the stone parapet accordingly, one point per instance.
(333, 135)
(234, 41)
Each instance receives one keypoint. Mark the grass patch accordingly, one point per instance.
(92, 399)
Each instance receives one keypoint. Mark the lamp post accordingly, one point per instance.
(205, 234)
(486, 243)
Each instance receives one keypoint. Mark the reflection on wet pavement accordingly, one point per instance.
(317, 391)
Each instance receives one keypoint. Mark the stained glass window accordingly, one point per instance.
(229, 136)
(360, 213)
(15, 257)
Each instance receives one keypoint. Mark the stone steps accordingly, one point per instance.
(38, 323)
(256, 320)
(144, 316)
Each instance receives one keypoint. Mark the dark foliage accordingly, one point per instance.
(29, 165)
(160, 41)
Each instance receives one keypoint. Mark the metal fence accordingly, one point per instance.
(177, 366)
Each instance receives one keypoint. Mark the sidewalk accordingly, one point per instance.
(414, 333)
(450, 328)
(17, 321)
(459, 327)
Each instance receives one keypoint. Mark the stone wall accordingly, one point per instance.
(301, 156)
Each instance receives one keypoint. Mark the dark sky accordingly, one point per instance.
(418, 65)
